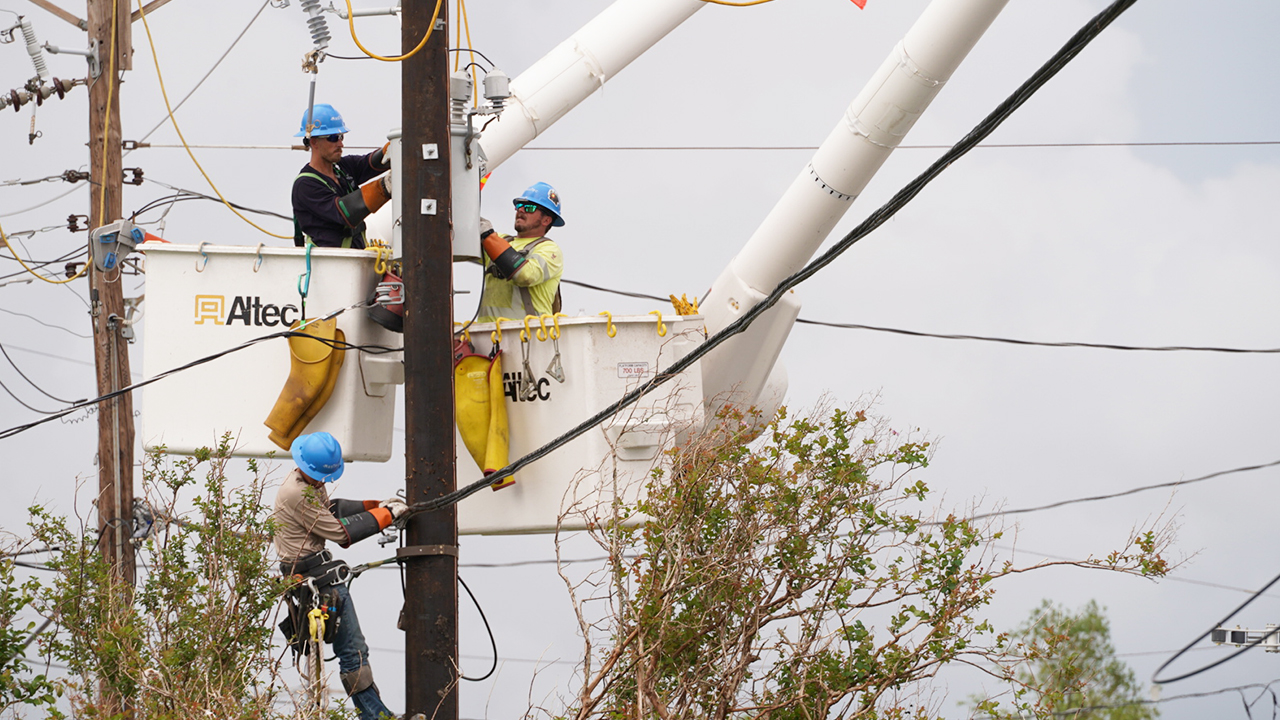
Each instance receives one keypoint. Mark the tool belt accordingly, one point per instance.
(315, 579)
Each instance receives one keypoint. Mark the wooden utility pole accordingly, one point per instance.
(106, 295)
(431, 553)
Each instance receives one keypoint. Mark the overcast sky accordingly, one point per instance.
(1124, 245)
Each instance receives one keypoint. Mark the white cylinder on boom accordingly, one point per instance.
(872, 127)
(578, 67)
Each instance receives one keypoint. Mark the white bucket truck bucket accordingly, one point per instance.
(602, 359)
(202, 300)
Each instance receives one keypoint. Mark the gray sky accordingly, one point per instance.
(1126, 245)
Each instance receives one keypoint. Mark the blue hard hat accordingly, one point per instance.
(544, 196)
(319, 456)
(324, 121)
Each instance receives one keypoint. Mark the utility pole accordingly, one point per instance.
(430, 555)
(110, 348)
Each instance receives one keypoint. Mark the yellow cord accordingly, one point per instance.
(31, 270)
(737, 4)
(466, 23)
(165, 94)
(351, 22)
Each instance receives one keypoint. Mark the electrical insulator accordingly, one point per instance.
(316, 23)
(459, 96)
(33, 49)
(497, 88)
(15, 99)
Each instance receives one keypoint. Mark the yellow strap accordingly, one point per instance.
(315, 619)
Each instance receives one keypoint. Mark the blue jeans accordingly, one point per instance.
(353, 652)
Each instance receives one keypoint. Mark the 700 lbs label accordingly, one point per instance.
(633, 369)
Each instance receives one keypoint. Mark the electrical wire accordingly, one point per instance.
(1155, 677)
(165, 94)
(1082, 711)
(351, 23)
(984, 146)
(210, 72)
(1122, 493)
(1069, 51)
(29, 380)
(1036, 343)
(31, 270)
(19, 400)
(492, 642)
(67, 256)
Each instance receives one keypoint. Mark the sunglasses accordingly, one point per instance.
(331, 138)
(528, 207)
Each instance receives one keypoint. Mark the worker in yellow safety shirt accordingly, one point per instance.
(522, 273)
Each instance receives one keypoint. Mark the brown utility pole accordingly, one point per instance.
(106, 295)
(110, 349)
(431, 553)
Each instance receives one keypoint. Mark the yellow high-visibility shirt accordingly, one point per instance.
(541, 274)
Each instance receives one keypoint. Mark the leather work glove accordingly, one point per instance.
(380, 158)
(396, 506)
(486, 227)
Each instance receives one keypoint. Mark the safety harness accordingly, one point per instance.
(313, 603)
(300, 238)
(525, 295)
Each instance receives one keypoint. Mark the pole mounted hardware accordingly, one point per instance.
(1268, 639)
(95, 62)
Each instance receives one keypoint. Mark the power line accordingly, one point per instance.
(29, 380)
(1155, 677)
(980, 338)
(1131, 491)
(1039, 343)
(207, 74)
(23, 404)
(983, 146)
(48, 325)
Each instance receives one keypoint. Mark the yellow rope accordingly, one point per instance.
(351, 22)
(466, 23)
(165, 94)
(31, 270)
(737, 4)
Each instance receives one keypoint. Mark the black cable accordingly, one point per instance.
(1131, 491)
(1069, 51)
(24, 377)
(492, 642)
(477, 52)
(1155, 677)
(376, 349)
(15, 397)
(1014, 341)
(589, 286)
(982, 338)
(35, 266)
(219, 200)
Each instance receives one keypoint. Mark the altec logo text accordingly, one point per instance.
(244, 309)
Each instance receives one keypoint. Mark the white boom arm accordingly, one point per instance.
(875, 123)
(579, 66)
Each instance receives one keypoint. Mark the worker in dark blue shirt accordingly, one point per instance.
(330, 196)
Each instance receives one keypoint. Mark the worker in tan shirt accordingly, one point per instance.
(306, 518)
